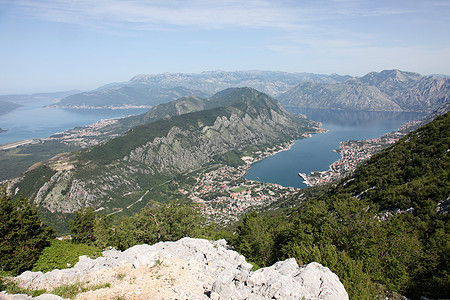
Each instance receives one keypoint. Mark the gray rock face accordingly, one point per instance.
(223, 273)
(389, 90)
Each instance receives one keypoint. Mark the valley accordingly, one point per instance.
(153, 161)
(182, 169)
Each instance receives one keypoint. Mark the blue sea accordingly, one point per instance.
(315, 153)
(35, 121)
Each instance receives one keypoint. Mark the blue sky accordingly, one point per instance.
(56, 45)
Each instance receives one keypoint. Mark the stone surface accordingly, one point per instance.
(188, 269)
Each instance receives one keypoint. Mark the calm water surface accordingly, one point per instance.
(35, 121)
(315, 153)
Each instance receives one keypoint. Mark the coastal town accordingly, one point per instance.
(354, 153)
(223, 193)
(86, 136)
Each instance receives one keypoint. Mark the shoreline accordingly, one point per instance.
(355, 152)
(86, 107)
(13, 145)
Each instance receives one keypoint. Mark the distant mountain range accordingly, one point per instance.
(269, 82)
(389, 90)
(126, 96)
(113, 175)
(150, 90)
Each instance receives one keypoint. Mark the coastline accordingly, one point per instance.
(12, 145)
(355, 152)
(98, 107)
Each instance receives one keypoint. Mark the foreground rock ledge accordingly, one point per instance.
(187, 269)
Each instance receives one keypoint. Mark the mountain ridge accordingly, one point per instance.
(149, 155)
(149, 90)
(388, 90)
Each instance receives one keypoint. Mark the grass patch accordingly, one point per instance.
(239, 189)
(64, 291)
(72, 290)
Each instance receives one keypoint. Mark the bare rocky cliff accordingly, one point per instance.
(187, 269)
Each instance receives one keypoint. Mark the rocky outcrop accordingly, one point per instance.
(190, 269)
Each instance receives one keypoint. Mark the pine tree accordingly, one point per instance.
(23, 235)
(82, 225)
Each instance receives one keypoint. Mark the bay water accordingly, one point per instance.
(316, 153)
(36, 121)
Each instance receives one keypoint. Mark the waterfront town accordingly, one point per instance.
(86, 136)
(354, 153)
(223, 193)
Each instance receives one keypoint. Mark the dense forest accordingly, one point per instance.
(384, 230)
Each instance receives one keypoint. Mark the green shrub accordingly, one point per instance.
(63, 254)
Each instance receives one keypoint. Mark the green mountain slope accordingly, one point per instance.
(408, 174)
(126, 171)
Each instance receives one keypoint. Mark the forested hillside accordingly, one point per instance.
(384, 228)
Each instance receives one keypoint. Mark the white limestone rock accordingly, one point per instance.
(213, 268)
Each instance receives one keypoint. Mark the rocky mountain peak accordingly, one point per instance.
(393, 76)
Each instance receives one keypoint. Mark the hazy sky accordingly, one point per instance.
(55, 45)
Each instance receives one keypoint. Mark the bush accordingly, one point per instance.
(62, 255)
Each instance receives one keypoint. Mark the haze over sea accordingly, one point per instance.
(315, 153)
(34, 121)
